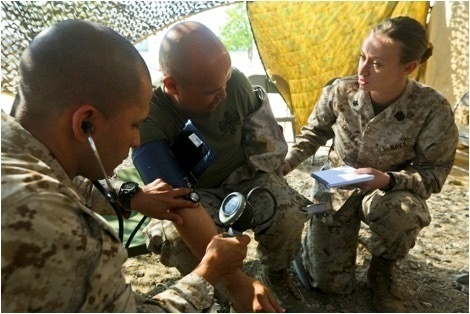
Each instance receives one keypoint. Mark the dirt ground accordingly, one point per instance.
(432, 279)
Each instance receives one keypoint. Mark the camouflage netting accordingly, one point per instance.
(135, 20)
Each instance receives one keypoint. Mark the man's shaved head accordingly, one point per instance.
(76, 63)
(189, 47)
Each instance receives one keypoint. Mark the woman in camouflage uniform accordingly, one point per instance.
(388, 125)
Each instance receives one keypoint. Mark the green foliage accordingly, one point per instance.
(236, 33)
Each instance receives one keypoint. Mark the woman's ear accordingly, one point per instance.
(170, 84)
(411, 66)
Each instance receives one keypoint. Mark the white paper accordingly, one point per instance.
(340, 176)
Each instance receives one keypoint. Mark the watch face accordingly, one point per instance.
(194, 197)
(130, 186)
(126, 192)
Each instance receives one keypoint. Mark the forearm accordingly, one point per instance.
(422, 182)
(434, 158)
(233, 280)
(312, 136)
(300, 152)
(197, 230)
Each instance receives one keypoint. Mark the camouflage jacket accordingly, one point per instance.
(57, 254)
(414, 138)
(264, 144)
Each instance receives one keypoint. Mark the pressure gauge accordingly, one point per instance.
(237, 213)
(232, 208)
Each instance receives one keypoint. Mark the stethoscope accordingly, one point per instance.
(109, 193)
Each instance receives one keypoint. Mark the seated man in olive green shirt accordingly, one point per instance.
(200, 85)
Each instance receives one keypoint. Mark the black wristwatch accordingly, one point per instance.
(126, 192)
(391, 183)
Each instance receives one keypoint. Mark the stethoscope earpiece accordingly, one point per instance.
(86, 127)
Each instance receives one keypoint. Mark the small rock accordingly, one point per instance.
(426, 304)
(460, 281)
(330, 308)
(414, 265)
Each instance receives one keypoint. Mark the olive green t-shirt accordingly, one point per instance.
(221, 128)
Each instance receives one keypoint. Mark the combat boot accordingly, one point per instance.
(282, 285)
(381, 279)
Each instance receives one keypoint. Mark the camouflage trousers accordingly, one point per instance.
(330, 245)
(279, 238)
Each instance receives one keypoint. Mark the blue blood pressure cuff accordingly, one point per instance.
(179, 163)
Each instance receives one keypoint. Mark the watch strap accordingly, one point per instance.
(391, 184)
(126, 192)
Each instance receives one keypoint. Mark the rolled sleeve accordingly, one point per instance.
(189, 295)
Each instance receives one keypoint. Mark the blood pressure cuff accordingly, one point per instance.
(180, 163)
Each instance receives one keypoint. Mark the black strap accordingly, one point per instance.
(117, 209)
(115, 206)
